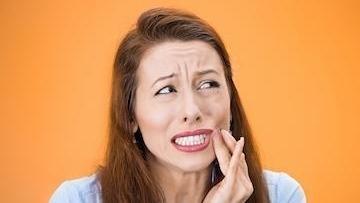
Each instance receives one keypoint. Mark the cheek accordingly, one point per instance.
(153, 124)
(217, 107)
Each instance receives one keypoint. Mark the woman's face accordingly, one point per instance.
(182, 98)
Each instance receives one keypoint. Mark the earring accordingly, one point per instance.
(213, 173)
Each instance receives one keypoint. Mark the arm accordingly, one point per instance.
(65, 193)
(289, 190)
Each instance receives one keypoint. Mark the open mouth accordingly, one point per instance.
(192, 141)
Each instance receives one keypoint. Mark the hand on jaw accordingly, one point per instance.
(236, 185)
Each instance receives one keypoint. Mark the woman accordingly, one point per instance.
(178, 131)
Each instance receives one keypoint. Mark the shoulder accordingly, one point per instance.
(85, 189)
(283, 188)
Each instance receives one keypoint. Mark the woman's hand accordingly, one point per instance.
(236, 185)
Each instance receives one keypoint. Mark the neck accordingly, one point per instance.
(180, 186)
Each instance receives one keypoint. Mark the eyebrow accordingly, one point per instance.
(163, 78)
(198, 73)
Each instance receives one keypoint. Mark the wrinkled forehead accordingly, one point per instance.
(183, 58)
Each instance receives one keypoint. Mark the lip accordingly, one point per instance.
(193, 148)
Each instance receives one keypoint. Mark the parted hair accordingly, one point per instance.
(125, 175)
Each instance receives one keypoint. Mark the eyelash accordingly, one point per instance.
(213, 84)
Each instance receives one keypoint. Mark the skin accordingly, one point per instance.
(188, 101)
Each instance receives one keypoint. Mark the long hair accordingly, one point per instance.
(125, 176)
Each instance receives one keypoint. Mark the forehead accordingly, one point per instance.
(175, 56)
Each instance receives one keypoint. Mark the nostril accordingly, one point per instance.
(187, 119)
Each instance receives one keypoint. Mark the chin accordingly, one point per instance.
(195, 164)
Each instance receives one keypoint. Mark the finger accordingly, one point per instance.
(243, 164)
(243, 176)
(235, 161)
(229, 140)
(222, 152)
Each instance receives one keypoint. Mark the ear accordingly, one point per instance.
(135, 126)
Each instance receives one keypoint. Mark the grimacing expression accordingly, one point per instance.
(181, 87)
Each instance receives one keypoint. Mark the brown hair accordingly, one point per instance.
(125, 177)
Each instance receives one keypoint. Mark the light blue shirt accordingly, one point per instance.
(282, 189)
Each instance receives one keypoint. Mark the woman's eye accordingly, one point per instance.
(165, 90)
(209, 84)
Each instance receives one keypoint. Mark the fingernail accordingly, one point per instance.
(228, 133)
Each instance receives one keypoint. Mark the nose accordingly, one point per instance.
(191, 111)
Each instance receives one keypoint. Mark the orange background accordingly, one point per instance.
(296, 66)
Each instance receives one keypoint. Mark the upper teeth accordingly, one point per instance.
(190, 140)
